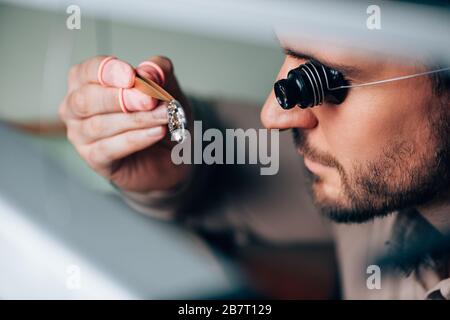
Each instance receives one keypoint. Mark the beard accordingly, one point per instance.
(399, 178)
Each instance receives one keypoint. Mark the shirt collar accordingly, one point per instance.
(416, 243)
(440, 292)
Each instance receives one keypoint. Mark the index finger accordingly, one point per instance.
(109, 70)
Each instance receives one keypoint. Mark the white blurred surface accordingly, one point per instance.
(34, 265)
(50, 223)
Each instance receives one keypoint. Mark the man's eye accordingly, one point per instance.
(347, 79)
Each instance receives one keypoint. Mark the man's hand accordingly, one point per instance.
(128, 149)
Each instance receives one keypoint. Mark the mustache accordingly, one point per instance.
(308, 151)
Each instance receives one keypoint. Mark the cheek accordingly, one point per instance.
(369, 121)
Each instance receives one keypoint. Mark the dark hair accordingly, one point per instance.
(440, 81)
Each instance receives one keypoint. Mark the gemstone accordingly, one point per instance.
(177, 121)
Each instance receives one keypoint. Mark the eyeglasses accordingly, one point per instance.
(312, 83)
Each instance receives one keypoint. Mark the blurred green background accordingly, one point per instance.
(37, 50)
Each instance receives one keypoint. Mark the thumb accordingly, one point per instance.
(157, 68)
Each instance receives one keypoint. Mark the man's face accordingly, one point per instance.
(384, 148)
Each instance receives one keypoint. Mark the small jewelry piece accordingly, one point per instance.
(177, 121)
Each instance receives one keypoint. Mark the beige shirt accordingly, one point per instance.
(278, 209)
(358, 247)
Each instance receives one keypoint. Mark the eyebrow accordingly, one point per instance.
(347, 70)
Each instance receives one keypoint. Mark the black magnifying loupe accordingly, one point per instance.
(310, 85)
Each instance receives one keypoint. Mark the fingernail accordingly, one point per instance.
(155, 131)
(117, 73)
(160, 113)
(138, 101)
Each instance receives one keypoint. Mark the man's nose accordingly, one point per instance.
(274, 117)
